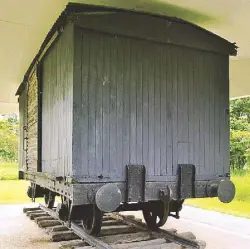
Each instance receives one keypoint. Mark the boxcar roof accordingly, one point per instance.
(139, 24)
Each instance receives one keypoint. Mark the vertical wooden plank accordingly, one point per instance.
(196, 112)
(99, 137)
(151, 89)
(145, 129)
(182, 150)
(68, 85)
(180, 91)
(133, 109)
(224, 115)
(78, 163)
(174, 79)
(211, 115)
(226, 157)
(182, 102)
(51, 93)
(44, 113)
(53, 112)
(84, 119)
(63, 76)
(169, 110)
(139, 79)
(21, 161)
(217, 158)
(201, 115)
(55, 116)
(120, 105)
(206, 86)
(126, 104)
(191, 103)
(105, 104)
(163, 110)
(113, 108)
(48, 125)
(182, 119)
(59, 97)
(92, 106)
(157, 110)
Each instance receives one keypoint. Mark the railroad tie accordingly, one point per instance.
(63, 235)
(47, 217)
(25, 210)
(118, 231)
(133, 237)
(121, 229)
(72, 244)
(58, 228)
(48, 223)
(32, 216)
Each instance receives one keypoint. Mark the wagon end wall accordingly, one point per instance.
(57, 106)
(142, 102)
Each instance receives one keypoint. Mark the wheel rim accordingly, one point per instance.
(156, 215)
(92, 221)
(49, 199)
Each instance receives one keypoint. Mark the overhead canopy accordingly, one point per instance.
(25, 24)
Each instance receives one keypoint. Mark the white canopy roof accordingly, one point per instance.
(24, 25)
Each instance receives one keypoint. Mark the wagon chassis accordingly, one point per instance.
(157, 200)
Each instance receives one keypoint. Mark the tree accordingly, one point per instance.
(9, 138)
(240, 109)
(240, 133)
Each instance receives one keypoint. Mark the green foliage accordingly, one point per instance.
(240, 134)
(9, 138)
(240, 109)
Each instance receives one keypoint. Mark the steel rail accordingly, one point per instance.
(91, 240)
(95, 242)
(169, 236)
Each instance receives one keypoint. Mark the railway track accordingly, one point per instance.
(118, 231)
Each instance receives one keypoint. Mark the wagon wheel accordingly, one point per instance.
(92, 222)
(49, 198)
(156, 214)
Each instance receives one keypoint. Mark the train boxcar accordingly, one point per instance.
(123, 110)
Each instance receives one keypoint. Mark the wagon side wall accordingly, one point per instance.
(22, 130)
(57, 106)
(142, 102)
(32, 122)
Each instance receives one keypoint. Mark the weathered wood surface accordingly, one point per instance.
(57, 102)
(72, 244)
(22, 144)
(63, 235)
(151, 104)
(132, 233)
(156, 29)
(32, 118)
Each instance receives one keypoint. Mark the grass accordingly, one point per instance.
(13, 191)
(240, 206)
(8, 171)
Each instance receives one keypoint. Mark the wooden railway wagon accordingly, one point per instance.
(122, 110)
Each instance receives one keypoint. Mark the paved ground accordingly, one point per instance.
(17, 231)
(220, 231)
